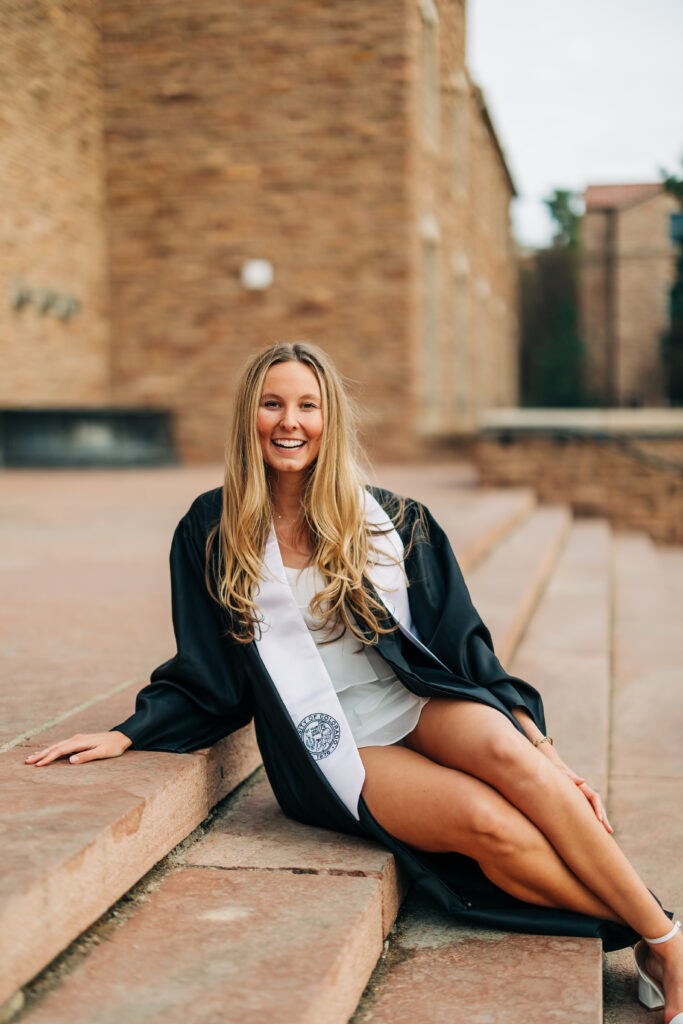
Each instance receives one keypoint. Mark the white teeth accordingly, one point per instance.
(281, 443)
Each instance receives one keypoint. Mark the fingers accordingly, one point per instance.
(76, 744)
(597, 805)
(92, 754)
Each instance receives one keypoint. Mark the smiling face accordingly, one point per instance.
(290, 418)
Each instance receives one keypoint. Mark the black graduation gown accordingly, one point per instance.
(215, 685)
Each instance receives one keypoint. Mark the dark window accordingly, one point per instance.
(676, 228)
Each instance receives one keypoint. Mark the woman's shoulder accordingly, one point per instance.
(205, 511)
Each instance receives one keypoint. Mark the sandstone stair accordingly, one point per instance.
(646, 781)
(252, 916)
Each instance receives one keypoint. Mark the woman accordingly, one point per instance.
(336, 616)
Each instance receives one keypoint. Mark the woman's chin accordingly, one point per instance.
(287, 465)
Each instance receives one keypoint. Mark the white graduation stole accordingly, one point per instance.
(293, 662)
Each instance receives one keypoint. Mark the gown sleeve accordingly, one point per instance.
(446, 615)
(202, 693)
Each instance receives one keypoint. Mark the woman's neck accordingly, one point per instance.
(287, 492)
(292, 534)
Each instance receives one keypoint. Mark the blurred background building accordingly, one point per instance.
(628, 248)
(185, 184)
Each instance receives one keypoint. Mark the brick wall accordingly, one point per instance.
(237, 132)
(154, 148)
(596, 478)
(52, 238)
(240, 131)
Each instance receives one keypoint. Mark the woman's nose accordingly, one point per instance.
(289, 419)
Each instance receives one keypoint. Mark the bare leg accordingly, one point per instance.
(480, 741)
(440, 809)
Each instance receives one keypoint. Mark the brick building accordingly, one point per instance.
(150, 151)
(627, 267)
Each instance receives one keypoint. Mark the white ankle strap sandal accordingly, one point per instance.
(649, 990)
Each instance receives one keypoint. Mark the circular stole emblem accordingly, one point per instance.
(320, 734)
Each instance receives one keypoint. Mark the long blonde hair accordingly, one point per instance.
(331, 506)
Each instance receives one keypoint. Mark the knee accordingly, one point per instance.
(509, 755)
(504, 835)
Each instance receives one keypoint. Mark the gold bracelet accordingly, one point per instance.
(544, 739)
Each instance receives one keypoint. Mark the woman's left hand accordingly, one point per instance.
(591, 795)
(595, 800)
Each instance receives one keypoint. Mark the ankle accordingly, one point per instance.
(670, 950)
(661, 940)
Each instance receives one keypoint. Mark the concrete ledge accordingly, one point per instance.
(635, 482)
(76, 837)
(651, 422)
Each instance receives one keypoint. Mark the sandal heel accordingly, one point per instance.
(649, 992)
(649, 996)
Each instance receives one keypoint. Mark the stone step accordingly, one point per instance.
(261, 919)
(437, 971)
(566, 650)
(102, 562)
(648, 650)
(76, 837)
(477, 521)
(475, 518)
(647, 736)
(508, 583)
(671, 558)
(171, 796)
(86, 851)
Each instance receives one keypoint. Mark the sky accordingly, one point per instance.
(581, 92)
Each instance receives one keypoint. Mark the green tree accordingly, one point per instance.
(552, 352)
(567, 220)
(672, 341)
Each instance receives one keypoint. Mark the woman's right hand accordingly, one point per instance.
(83, 747)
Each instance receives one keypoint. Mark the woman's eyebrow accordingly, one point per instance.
(272, 394)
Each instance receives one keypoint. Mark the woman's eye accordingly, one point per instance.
(270, 404)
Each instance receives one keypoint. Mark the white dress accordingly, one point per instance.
(379, 709)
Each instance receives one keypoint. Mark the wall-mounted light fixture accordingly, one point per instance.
(257, 275)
